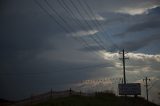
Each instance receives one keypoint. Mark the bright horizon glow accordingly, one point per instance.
(135, 11)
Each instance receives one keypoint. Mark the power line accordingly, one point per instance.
(77, 9)
(55, 19)
(146, 85)
(99, 44)
(123, 59)
(103, 80)
(68, 24)
(69, 11)
(51, 16)
(99, 25)
(90, 16)
(56, 13)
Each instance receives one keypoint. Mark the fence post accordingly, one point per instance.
(51, 93)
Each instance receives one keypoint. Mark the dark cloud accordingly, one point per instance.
(149, 23)
(155, 11)
(134, 45)
(92, 48)
(142, 33)
(152, 24)
(36, 50)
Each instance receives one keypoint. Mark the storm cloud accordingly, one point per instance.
(56, 44)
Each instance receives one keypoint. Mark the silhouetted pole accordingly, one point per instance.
(122, 80)
(123, 59)
(124, 72)
(146, 82)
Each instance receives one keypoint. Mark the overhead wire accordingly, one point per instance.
(51, 16)
(70, 12)
(72, 29)
(99, 25)
(79, 12)
(67, 22)
(90, 17)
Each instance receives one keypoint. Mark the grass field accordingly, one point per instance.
(104, 99)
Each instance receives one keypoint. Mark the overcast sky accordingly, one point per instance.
(58, 43)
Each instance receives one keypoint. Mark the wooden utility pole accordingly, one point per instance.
(146, 85)
(123, 59)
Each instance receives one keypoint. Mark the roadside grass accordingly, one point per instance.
(99, 99)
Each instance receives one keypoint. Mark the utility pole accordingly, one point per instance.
(123, 59)
(146, 85)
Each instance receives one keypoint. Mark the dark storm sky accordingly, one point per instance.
(56, 43)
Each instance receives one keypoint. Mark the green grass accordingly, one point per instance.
(105, 99)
